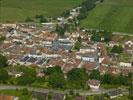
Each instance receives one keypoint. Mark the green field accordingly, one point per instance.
(115, 15)
(19, 10)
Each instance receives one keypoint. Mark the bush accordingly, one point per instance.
(3, 61)
(29, 19)
(117, 49)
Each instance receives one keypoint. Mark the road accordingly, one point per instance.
(120, 33)
(81, 92)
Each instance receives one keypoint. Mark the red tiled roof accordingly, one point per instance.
(94, 82)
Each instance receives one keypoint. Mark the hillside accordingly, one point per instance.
(19, 10)
(116, 15)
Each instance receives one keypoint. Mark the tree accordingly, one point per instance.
(25, 80)
(29, 19)
(55, 77)
(95, 74)
(117, 49)
(68, 97)
(80, 39)
(2, 38)
(3, 61)
(99, 97)
(52, 70)
(39, 16)
(25, 94)
(130, 77)
(77, 78)
(50, 96)
(43, 20)
(60, 30)
(56, 80)
(107, 35)
(3, 75)
(107, 78)
(101, 1)
(86, 6)
(97, 36)
(122, 80)
(77, 45)
(28, 71)
(131, 91)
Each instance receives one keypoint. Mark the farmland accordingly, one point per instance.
(115, 15)
(19, 10)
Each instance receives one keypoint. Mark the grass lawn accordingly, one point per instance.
(107, 86)
(116, 15)
(10, 92)
(19, 10)
(125, 57)
(16, 93)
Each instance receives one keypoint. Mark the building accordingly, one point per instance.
(58, 96)
(114, 93)
(80, 98)
(94, 84)
(5, 97)
(124, 64)
(89, 57)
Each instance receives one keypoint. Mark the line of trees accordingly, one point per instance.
(101, 36)
(87, 5)
(55, 78)
(40, 18)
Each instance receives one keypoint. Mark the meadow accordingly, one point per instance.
(114, 15)
(19, 10)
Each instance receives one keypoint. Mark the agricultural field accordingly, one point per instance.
(115, 15)
(19, 10)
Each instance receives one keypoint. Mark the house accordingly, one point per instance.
(85, 50)
(102, 70)
(9, 25)
(89, 57)
(89, 66)
(130, 43)
(94, 84)
(114, 93)
(105, 61)
(124, 64)
(5, 97)
(128, 47)
(64, 44)
(80, 98)
(58, 96)
(39, 95)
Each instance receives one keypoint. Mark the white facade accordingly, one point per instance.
(94, 87)
(116, 96)
(86, 58)
(87, 50)
(123, 64)
(90, 59)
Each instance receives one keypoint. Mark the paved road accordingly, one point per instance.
(82, 92)
(120, 33)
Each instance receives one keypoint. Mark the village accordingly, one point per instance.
(40, 47)
(33, 46)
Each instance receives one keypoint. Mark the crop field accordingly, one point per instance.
(19, 10)
(115, 15)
